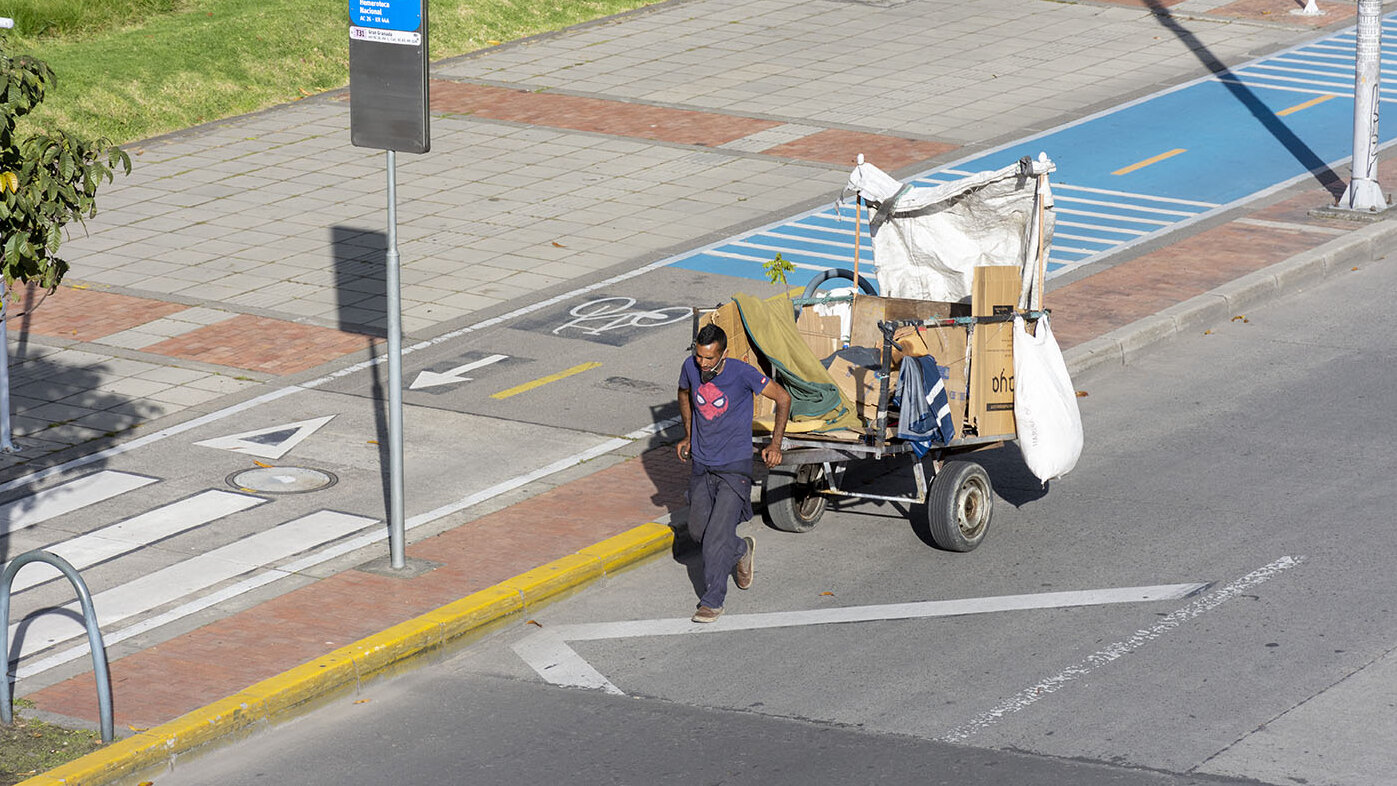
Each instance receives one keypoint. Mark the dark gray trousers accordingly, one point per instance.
(720, 498)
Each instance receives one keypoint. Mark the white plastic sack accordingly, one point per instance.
(934, 237)
(1045, 404)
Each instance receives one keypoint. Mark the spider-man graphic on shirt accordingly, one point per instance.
(710, 401)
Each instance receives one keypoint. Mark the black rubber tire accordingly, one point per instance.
(789, 501)
(959, 506)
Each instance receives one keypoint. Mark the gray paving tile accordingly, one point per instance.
(183, 396)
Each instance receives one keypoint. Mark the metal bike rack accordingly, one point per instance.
(89, 618)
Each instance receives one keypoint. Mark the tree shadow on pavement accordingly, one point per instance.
(58, 413)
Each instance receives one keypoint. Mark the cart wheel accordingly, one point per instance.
(960, 505)
(789, 499)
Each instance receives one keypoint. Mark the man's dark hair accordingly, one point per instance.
(712, 334)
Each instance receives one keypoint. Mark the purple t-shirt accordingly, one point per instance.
(722, 411)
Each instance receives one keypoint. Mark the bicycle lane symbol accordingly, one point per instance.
(610, 320)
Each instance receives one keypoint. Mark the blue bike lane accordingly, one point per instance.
(1135, 171)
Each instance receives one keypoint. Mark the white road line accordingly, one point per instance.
(1102, 240)
(1100, 228)
(192, 575)
(1292, 70)
(1120, 649)
(761, 260)
(1332, 87)
(548, 653)
(805, 223)
(1114, 216)
(126, 536)
(1303, 91)
(1074, 250)
(66, 498)
(1126, 206)
(1059, 187)
(840, 244)
(842, 258)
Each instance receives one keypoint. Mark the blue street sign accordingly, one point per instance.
(386, 14)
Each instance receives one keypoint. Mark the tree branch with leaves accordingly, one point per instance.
(48, 178)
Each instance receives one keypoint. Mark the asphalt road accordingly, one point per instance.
(1243, 476)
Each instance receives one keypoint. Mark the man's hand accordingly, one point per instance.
(682, 449)
(771, 454)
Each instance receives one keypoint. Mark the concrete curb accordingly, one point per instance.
(1123, 345)
(346, 669)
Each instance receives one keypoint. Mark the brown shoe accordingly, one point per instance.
(705, 614)
(743, 574)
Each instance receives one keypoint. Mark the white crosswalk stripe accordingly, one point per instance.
(65, 498)
(123, 537)
(190, 576)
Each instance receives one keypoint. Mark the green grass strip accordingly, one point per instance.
(130, 70)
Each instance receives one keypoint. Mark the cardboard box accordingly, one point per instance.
(870, 310)
(820, 333)
(995, 290)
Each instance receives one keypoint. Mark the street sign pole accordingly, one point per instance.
(1364, 193)
(393, 281)
(388, 110)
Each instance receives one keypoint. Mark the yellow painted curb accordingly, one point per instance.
(346, 668)
(622, 551)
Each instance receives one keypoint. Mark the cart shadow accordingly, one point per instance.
(1011, 479)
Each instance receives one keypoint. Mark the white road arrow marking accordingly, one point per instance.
(271, 442)
(427, 379)
(548, 653)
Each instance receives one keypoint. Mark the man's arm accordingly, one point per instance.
(686, 413)
(771, 454)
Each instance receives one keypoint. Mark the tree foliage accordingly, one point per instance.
(47, 178)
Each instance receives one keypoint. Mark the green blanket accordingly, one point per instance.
(772, 329)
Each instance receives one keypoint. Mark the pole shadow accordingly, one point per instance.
(1307, 157)
(361, 306)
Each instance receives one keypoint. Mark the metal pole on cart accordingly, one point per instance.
(1042, 273)
(858, 232)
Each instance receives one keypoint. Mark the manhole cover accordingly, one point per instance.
(282, 480)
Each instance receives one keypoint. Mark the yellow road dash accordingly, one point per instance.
(540, 382)
(1292, 110)
(1148, 161)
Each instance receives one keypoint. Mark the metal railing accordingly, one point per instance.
(89, 618)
